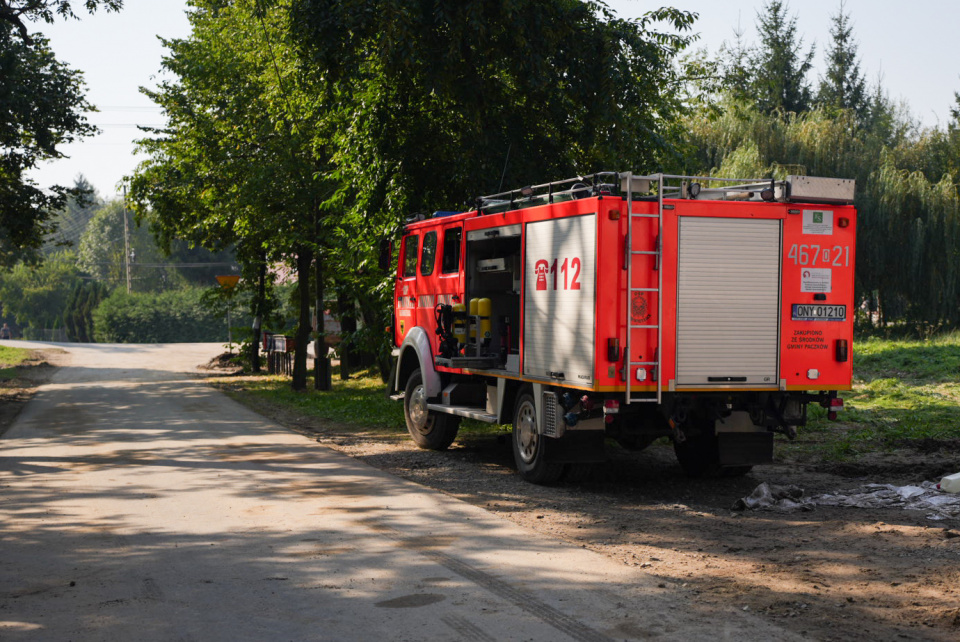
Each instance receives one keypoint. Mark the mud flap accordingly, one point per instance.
(577, 447)
(744, 448)
(391, 388)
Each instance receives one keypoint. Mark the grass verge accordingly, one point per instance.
(358, 404)
(10, 358)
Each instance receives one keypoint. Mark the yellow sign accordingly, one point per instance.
(228, 281)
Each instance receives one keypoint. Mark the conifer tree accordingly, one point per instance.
(843, 86)
(779, 67)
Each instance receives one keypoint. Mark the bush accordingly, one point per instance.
(176, 316)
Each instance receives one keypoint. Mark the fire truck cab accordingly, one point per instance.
(711, 311)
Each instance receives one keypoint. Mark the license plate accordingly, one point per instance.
(804, 312)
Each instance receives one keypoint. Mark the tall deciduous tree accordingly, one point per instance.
(41, 107)
(434, 104)
(241, 159)
(778, 63)
(102, 250)
(434, 95)
(18, 12)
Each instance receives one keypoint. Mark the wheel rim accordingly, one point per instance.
(417, 409)
(527, 437)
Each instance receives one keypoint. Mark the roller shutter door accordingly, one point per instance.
(559, 298)
(728, 301)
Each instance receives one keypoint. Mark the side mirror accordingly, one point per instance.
(386, 252)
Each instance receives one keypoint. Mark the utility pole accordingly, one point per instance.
(126, 239)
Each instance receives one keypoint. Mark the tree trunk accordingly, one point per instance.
(258, 312)
(373, 318)
(304, 261)
(321, 379)
(348, 325)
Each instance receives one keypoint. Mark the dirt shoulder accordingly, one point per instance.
(831, 573)
(15, 392)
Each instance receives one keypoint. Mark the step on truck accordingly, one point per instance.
(629, 307)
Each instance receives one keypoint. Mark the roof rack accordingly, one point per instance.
(601, 183)
(793, 189)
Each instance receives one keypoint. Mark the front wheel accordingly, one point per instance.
(530, 447)
(430, 430)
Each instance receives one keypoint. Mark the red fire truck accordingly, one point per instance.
(629, 307)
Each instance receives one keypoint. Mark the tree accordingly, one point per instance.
(242, 159)
(779, 67)
(16, 12)
(41, 107)
(71, 221)
(307, 131)
(36, 296)
(843, 86)
(78, 312)
(433, 104)
(433, 95)
(101, 251)
(953, 139)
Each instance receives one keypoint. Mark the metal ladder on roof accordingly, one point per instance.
(630, 365)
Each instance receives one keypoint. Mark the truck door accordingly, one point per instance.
(427, 281)
(438, 275)
(451, 268)
(405, 293)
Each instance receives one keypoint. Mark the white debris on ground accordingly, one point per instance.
(773, 497)
(924, 497)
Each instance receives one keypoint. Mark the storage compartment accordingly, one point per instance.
(728, 301)
(559, 309)
(493, 272)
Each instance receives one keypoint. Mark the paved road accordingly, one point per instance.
(138, 503)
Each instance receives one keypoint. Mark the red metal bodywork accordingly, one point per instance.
(805, 346)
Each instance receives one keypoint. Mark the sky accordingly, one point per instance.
(914, 47)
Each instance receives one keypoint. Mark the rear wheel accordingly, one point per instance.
(430, 430)
(529, 447)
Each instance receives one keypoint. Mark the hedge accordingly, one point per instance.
(176, 316)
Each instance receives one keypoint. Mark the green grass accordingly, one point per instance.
(904, 391)
(360, 402)
(10, 358)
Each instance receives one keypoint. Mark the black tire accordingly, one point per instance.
(529, 447)
(699, 456)
(430, 430)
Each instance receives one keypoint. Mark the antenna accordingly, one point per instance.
(504, 174)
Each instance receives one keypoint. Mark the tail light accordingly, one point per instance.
(613, 349)
(843, 352)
